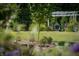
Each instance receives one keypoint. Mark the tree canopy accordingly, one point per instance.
(29, 13)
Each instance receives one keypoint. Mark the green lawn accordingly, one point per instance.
(61, 36)
(57, 36)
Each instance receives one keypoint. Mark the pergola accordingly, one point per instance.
(71, 14)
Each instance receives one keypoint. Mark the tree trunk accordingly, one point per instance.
(38, 31)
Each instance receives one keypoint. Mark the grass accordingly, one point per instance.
(61, 36)
(57, 36)
(22, 35)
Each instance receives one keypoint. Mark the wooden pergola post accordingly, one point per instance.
(48, 22)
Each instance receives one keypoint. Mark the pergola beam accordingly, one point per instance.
(64, 13)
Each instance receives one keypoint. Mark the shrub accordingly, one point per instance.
(20, 27)
(8, 39)
(33, 26)
(61, 43)
(46, 40)
(17, 27)
(5, 37)
(43, 27)
(71, 25)
(51, 52)
(2, 37)
(49, 40)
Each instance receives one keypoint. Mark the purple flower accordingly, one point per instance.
(74, 47)
(13, 53)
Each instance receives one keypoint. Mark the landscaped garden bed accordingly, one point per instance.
(16, 45)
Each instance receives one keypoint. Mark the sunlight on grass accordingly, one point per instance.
(61, 36)
(57, 36)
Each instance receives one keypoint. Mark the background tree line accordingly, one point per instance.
(26, 16)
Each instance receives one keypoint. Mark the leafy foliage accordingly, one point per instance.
(46, 40)
(27, 14)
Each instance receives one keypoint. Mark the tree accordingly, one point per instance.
(7, 11)
(24, 15)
